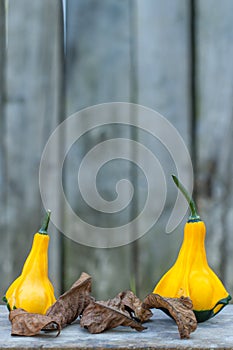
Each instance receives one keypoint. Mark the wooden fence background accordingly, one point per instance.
(174, 56)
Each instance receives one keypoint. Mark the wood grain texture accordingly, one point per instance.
(31, 115)
(125, 51)
(116, 50)
(98, 67)
(215, 120)
(162, 40)
(5, 256)
(161, 333)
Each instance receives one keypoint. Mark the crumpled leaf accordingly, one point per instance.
(99, 316)
(71, 304)
(180, 309)
(29, 324)
(133, 304)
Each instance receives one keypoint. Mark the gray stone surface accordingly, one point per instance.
(161, 333)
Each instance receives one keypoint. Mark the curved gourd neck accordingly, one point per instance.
(193, 246)
(38, 255)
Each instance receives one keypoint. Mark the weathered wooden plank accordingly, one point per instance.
(117, 51)
(32, 114)
(161, 333)
(163, 85)
(113, 55)
(98, 69)
(5, 256)
(215, 113)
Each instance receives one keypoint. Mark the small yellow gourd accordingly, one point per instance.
(191, 275)
(32, 290)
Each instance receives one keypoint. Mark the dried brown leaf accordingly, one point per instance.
(133, 304)
(71, 304)
(180, 309)
(29, 324)
(102, 315)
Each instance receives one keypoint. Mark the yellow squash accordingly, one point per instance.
(191, 275)
(32, 290)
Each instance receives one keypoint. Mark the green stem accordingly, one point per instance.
(194, 216)
(45, 224)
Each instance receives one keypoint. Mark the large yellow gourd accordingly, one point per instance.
(32, 290)
(191, 275)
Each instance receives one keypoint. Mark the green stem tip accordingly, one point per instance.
(194, 216)
(45, 224)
